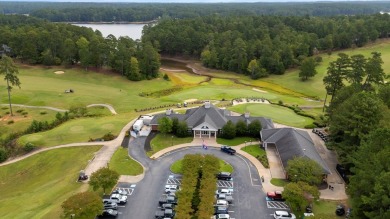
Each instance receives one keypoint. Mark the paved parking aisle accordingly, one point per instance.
(277, 205)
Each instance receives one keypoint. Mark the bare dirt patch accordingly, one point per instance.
(59, 72)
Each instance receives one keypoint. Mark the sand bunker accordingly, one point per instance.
(262, 91)
(59, 72)
(190, 100)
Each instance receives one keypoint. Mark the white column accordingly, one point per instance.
(215, 134)
(194, 133)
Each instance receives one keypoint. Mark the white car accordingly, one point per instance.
(223, 191)
(222, 203)
(221, 216)
(120, 191)
(284, 215)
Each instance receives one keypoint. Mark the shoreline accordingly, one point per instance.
(113, 22)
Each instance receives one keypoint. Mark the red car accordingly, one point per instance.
(275, 196)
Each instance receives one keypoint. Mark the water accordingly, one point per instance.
(133, 31)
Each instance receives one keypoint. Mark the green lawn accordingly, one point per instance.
(236, 141)
(326, 209)
(123, 164)
(21, 122)
(314, 86)
(78, 130)
(257, 152)
(279, 182)
(161, 141)
(224, 166)
(277, 113)
(37, 186)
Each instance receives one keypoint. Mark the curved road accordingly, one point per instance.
(249, 199)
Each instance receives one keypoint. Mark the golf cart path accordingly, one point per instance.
(109, 107)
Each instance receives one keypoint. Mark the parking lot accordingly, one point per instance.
(129, 189)
(277, 205)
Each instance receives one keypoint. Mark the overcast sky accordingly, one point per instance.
(185, 1)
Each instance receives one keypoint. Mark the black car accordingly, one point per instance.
(110, 212)
(340, 210)
(221, 210)
(224, 176)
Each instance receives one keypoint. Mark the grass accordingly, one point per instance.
(236, 141)
(21, 122)
(161, 141)
(123, 164)
(277, 113)
(36, 187)
(223, 167)
(258, 153)
(78, 130)
(326, 209)
(279, 182)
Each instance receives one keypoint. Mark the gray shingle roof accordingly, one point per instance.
(292, 143)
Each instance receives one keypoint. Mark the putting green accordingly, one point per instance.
(36, 186)
(277, 113)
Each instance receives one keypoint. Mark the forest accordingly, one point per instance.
(35, 41)
(274, 43)
(138, 12)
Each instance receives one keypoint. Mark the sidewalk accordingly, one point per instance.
(338, 193)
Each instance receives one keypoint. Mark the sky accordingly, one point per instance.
(185, 1)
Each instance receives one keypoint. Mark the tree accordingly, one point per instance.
(83, 48)
(255, 70)
(229, 130)
(149, 61)
(354, 119)
(175, 124)
(333, 81)
(83, 205)
(254, 128)
(103, 178)
(241, 128)
(298, 195)
(369, 186)
(165, 125)
(374, 70)
(182, 129)
(134, 73)
(9, 69)
(307, 69)
(384, 94)
(3, 154)
(305, 170)
(357, 73)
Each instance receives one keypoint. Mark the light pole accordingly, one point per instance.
(245, 143)
(172, 140)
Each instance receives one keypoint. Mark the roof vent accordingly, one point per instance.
(168, 112)
(207, 104)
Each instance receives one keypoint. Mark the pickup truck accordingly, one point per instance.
(116, 198)
(167, 199)
(228, 150)
(167, 213)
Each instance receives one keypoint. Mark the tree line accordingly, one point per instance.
(130, 12)
(262, 45)
(35, 41)
(359, 118)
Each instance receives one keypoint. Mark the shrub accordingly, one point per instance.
(310, 126)
(10, 122)
(108, 137)
(263, 160)
(3, 154)
(318, 59)
(19, 110)
(43, 112)
(24, 113)
(166, 77)
(280, 102)
(29, 147)
(6, 113)
(4, 107)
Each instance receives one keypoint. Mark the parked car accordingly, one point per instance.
(223, 191)
(228, 150)
(221, 210)
(110, 205)
(167, 206)
(340, 210)
(120, 191)
(167, 213)
(221, 203)
(110, 212)
(224, 176)
(225, 197)
(82, 176)
(167, 199)
(221, 216)
(284, 215)
(275, 196)
(117, 198)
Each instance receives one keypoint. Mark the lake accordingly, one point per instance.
(133, 31)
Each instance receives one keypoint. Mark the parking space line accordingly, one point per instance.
(277, 205)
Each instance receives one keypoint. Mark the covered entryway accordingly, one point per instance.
(205, 130)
